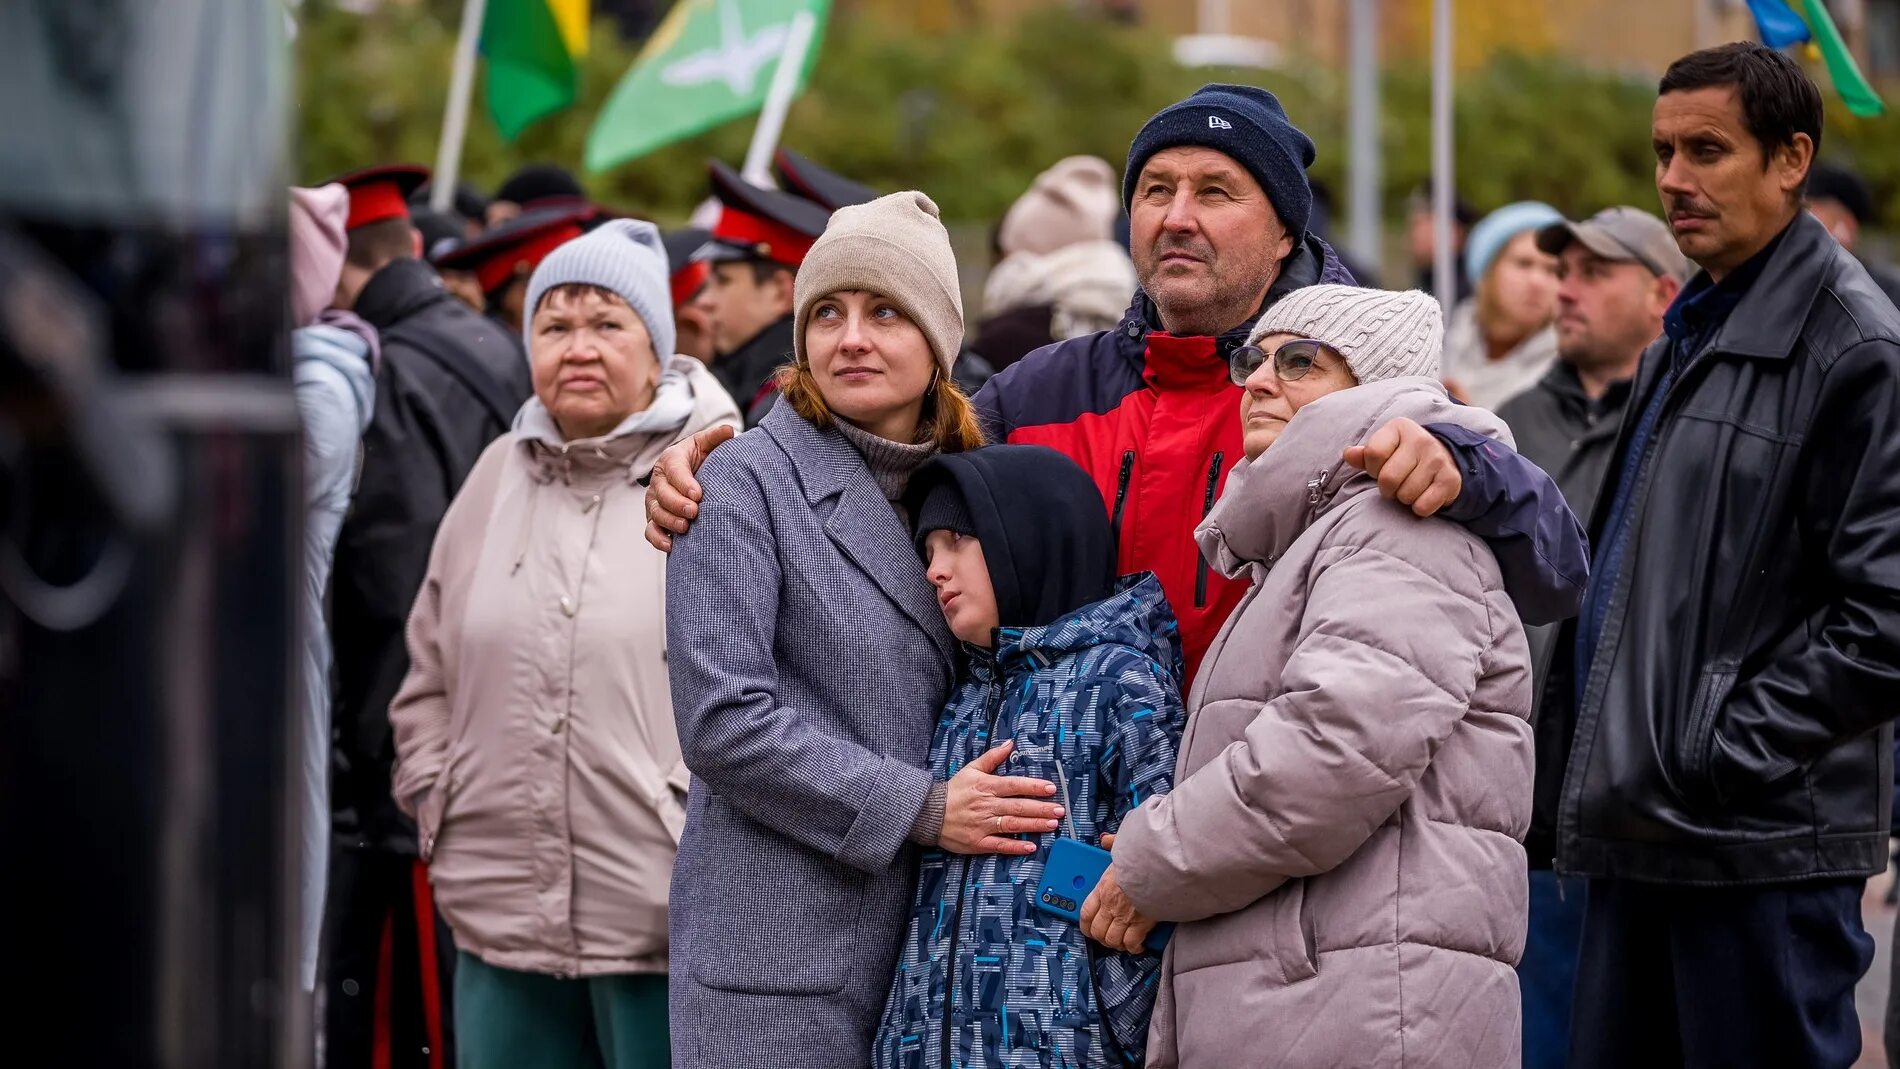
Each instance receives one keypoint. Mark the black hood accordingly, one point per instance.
(1042, 522)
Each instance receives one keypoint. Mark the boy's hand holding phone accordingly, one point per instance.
(1109, 918)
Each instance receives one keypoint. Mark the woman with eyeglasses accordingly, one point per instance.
(1345, 831)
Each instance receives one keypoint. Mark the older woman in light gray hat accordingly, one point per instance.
(810, 659)
(1343, 840)
(534, 733)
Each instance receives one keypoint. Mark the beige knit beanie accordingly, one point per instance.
(894, 246)
(1382, 334)
(1075, 200)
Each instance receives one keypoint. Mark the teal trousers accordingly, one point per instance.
(506, 1019)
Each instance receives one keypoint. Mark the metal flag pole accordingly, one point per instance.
(1444, 180)
(1363, 176)
(778, 101)
(448, 156)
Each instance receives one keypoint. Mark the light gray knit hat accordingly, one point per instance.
(1383, 334)
(623, 256)
(894, 246)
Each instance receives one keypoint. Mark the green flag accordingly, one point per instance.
(533, 49)
(1856, 93)
(709, 61)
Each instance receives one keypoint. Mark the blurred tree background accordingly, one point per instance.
(971, 113)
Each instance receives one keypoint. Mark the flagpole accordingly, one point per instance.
(1444, 180)
(448, 157)
(1363, 180)
(778, 101)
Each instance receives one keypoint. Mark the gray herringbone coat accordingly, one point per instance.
(808, 661)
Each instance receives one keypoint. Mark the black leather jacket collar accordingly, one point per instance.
(1731, 728)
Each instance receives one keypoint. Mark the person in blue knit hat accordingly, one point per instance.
(1503, 338)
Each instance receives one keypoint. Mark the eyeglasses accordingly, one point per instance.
(1291, 361)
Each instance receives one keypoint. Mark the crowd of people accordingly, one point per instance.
(721, 646)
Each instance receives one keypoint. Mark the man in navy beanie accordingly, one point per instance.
(1218, 202)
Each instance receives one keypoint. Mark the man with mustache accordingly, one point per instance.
(1219, 203)
(1617, 273)
(1737, 659)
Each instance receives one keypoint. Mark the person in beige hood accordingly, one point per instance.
(1342, 850)
(535, 740)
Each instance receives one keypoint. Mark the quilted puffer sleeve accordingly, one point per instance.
(1144, 734)
(1387, 658)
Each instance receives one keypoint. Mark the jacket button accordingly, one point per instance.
(592, 504)
(567, 606)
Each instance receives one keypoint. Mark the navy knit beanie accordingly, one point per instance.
(1245, 122)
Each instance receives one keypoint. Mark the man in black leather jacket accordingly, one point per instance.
(1737, 658)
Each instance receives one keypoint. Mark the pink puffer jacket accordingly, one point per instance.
(1344, 836)
(535, 743)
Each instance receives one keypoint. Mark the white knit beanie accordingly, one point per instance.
(895, 247)
(625, 257)
(1383, 334)
(1075, 200)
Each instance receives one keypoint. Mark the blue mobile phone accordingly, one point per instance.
(1072, 871)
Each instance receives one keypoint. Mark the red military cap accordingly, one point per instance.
(519, 244)
(381, 192)
(760, 224)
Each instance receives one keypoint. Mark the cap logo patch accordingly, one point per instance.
(1215, 122)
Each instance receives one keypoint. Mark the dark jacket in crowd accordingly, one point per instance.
(1084, 677)
(746, 372)
(450, 381)
(1572, 436)
(1156, 420)
(1887, 277)
(1731, 725)
(1010, 335)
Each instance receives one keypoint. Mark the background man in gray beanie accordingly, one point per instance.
(1217, 193)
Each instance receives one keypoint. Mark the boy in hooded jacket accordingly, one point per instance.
(1083, 675)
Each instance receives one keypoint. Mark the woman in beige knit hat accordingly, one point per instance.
(1355, 782)
(809, 660)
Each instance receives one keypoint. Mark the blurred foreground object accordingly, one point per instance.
(148, 532)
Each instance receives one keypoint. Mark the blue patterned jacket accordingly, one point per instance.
(1096, 695)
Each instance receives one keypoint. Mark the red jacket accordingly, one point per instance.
(1160, 457)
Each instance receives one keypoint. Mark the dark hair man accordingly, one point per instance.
(1737, 659)
(1617, 273)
